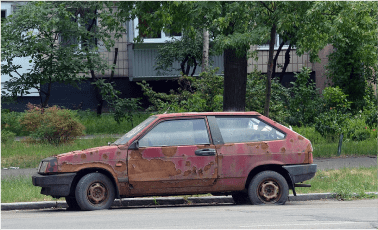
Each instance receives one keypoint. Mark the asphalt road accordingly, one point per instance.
(323, 214)
(323, 164)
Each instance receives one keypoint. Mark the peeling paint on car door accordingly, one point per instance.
(175, 153)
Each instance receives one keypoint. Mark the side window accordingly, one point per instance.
(246, 129)
(176, 132)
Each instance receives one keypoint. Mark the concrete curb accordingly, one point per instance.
(135, 202)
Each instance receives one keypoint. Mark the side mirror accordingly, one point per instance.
(134, 145)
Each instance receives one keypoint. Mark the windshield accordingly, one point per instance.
(125, 138)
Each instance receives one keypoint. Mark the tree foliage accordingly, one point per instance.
(61, 38)
(235, 26)
(186, 51)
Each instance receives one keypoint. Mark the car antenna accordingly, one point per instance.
(167, 110)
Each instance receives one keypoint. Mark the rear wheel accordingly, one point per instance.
(94, 191)
(268, 187)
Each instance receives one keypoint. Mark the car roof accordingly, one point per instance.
(192, 114)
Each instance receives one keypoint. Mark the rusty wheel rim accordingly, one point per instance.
(97, 193)
(269, 191)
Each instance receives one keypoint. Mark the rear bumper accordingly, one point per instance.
(58, 185)
(300, 173)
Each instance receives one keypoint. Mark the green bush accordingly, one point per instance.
(355, 128)
(53, 125)
(372, 118)
(10, 121)
(195, 94)
(335, 97)
(304, 102)
(106, 124)
(311, 134)
(255, 97)
(331, 124)
(7, 136)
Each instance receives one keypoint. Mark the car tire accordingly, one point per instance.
(268, 187)
(72, 204)
(94, 191)
(240, 198)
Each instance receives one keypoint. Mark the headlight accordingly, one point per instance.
(43, 166)
(48, 165)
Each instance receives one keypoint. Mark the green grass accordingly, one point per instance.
(24, 155)
(21, 189)
(351, 148)
(344, 182)
(105, 124)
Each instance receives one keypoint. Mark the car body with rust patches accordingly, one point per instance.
(243, 154)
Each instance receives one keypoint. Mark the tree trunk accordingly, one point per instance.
(275, 59)
(205, 52)
(268, 88)
(287, 61)
(98, 95)
(235, 80)
(47, 94)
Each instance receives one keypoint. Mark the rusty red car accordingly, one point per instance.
(243, 154)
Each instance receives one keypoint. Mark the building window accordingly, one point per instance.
(157, 37)
(3, 15)
(277, 43)
(66, 38)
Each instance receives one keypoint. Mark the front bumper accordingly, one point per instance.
(300, 173)
(57, 185)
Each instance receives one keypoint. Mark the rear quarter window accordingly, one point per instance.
(247, 129)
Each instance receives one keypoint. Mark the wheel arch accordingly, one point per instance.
(270, 167)
(87, 171)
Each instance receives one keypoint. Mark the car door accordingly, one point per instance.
(175, 153)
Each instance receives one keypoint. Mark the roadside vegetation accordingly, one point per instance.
(346, 183)
(319, 117)
(24, 154)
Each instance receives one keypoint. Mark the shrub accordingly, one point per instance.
(311, 134)
(10, 121)
(53, 125)
(372, 118)
(304, 102)
(331, 123)
(335, 97)
(255, 97)
(356, 129)
(7, 136)
(195, 94)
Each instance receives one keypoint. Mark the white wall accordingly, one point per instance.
(24, 62)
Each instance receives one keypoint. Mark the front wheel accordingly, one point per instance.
(268, 187)
(94, 191)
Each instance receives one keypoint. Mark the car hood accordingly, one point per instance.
(105, 155)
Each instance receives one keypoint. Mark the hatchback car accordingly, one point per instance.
(243, 154)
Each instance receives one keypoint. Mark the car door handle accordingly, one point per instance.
(205, 152)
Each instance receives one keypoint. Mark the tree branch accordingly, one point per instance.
(263, 3)
(276, 57)
(195, 65)
(287, 61)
